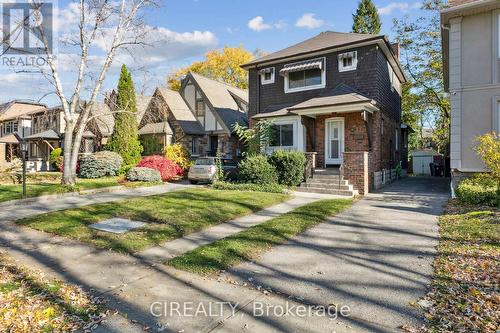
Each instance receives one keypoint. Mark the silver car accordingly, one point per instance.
(204, 169)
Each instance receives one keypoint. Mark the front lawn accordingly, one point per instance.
(249, 244)
(465, 295)
(14, 191)
(168, 216)
(31, 302)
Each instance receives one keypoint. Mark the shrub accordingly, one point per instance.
(179, 155)
(489, 150)
(56, 160)
(479, 190)
(138, 174)
(124, 169)
(289, 166)
(256, 169)
(167, 168)
(100, 164)
(271, 188)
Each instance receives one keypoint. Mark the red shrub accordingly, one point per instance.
(61, 165)
(167, 168)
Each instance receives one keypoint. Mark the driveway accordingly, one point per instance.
(374, 258)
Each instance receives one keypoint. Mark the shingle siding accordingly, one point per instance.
(371, 78)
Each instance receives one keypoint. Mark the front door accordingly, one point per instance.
(214, 144)
(334, 144)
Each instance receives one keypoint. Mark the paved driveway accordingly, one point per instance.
(375, 258)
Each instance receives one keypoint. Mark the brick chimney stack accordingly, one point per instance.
(396, 49)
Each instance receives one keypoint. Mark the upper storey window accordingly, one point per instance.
(348, 61)
(304, 75)
(267, 75)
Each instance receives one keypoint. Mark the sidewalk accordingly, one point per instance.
(34, 206)
(187, 243)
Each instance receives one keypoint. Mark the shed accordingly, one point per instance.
(421, 160)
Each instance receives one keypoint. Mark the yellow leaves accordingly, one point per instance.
(489, 150)
(222, 65)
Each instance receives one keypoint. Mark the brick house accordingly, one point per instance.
(338, 97)
(200, 116)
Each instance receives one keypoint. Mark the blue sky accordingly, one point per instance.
(189, 28)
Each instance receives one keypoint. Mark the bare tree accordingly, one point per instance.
(117, 22)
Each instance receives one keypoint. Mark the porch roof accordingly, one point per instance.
(11, 138)
(340, 99)
(156, 128)
(47, 135)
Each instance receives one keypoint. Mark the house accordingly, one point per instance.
(471, 66)
(336, 96)
(15, 119)
(201, 117)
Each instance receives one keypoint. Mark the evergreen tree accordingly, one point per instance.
(125, 139)
(366, 19)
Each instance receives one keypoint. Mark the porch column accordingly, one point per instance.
(356, 169)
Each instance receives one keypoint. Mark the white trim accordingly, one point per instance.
(318, 86)
(496, 114)
(341, 137)
(271, 80)
(354, 64)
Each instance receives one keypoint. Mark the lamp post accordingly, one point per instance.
(23, 145)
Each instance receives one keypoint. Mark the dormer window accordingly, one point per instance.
(348, 61)
(267, 75)
(304, 75)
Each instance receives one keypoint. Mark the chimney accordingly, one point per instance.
(396, 50)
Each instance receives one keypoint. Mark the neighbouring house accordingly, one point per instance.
(15, 119)
(201, 117)
(471, 65)
(336, 96)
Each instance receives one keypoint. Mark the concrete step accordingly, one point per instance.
(326, 177)
(327, 191)
(334, 186)
(327, 182)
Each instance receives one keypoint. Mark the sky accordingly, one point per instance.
(182, 31)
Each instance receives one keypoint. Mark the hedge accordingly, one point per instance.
(479, 190)
(256, 169)
(271, 188)
(100, 164)
(138, 174)
(289, 166)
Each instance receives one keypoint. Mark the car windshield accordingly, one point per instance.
(203, 161)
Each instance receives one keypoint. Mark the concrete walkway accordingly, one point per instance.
(34, 206)
(187, 243)
(375, 258)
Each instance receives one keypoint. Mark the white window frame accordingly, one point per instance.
(354, 64)
(263, 81)
(294, 131)
(317, 86)
(396, 139)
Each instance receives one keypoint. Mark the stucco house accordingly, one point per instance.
(200, 116)
(336, 96)
(15, 119)
(471, 64)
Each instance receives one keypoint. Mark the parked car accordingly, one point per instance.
(204, 169)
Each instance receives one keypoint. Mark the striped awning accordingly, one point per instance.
(266, 70)
(301, 66)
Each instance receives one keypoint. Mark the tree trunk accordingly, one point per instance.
(69, 174)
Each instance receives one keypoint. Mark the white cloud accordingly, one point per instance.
(401, 6)
(258, 24)
(309, 21)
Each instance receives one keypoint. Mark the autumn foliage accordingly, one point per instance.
(168, 169)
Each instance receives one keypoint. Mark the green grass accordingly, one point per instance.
(464, 286)
(169, 216)
(12, 192)
(249, 244)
